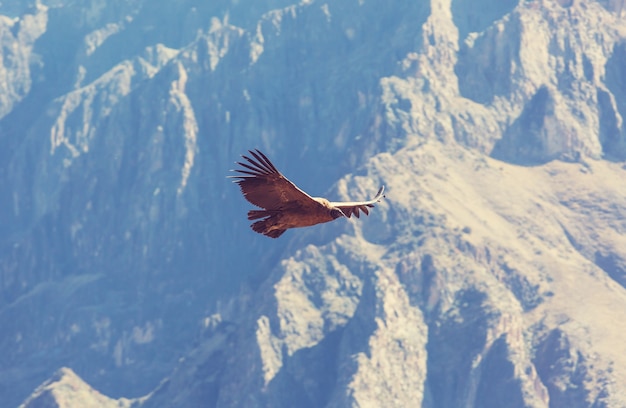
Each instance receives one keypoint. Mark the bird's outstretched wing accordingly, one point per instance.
(264, 186)
(353, 207)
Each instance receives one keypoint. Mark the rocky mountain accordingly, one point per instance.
(493, 274)
(66, 389)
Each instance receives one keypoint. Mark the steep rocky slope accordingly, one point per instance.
(469, 286)
(493, 274)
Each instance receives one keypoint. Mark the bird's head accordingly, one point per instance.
(336, 213)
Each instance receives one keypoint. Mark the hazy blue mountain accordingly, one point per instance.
(493, 274)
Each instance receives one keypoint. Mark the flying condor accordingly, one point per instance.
(283, 205)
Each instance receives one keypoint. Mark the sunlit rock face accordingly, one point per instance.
(66, 390)
(492, 274)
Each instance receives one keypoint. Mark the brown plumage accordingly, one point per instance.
(283, 204)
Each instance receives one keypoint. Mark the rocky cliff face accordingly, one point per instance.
(492, 275)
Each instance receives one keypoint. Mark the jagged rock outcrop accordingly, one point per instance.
(478, 282)
(66, 390)
(527, 88)
(17, 37)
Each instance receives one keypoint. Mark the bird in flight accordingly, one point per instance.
(283, 204)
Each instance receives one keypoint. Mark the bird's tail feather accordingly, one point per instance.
(264, 227)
